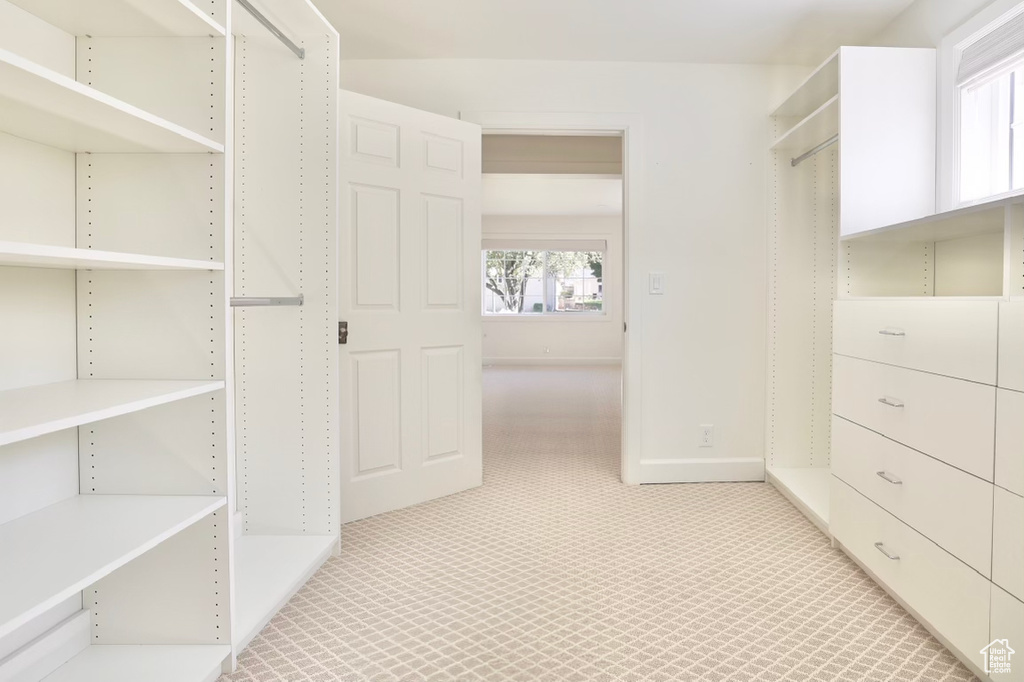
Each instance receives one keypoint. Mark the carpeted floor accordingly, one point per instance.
(555, 571)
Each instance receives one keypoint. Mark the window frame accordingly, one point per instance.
(554, 315)
(951, 49)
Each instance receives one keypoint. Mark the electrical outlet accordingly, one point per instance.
(707, 435)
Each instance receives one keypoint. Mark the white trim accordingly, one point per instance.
(550, 361)
(630, 126)
(704, 470)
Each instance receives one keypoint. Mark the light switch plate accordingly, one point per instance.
(657, 283)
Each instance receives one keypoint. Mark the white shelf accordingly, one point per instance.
(807, 488)
(37, 410)
(821, 86)
(49, 555)
(124, 18)
(128, 663)
(47, 107)
(818, 127)
(981, 218)
(269, 569)
(20, 254)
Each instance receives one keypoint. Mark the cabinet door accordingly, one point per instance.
(887, 133)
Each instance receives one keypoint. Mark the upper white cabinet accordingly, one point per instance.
(880, 101)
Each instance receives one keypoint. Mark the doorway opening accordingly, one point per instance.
(553, 297)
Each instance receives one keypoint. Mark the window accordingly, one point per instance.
(990, 91)
(541, 282)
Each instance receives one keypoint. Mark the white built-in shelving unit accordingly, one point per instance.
(157, 158)
(843, 145)
(895, 350)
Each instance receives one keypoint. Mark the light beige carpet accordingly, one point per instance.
(555, 571)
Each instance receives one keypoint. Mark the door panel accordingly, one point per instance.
(410, 291)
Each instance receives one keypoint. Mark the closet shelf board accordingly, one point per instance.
(981, 218)
(48, 107)
(269, 569)
(124, 18)
(819, 87)
(807, 488)
(818, 127)
(37, 410)
(135, 663)
(20, 254)
(60, 550)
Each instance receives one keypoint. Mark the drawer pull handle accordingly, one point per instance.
(891, 402)
(888, 477)
(892, 332)
(881, 548)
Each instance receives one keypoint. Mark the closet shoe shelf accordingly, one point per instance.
(37, 410)
(128, 663)
(48, 107)
(56, 552)
(807, 488)
(124, 18)
(269, 570)
(19, 254)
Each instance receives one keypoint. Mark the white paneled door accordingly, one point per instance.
(410, 293)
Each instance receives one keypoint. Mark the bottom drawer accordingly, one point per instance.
(950, 595)
(1008, 624)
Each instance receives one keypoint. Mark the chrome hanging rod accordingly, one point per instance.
(806, 155)
(299, 51)
(248, 302)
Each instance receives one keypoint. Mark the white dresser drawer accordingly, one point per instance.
(1011, 345)
(1008, 543)
(943, 590)
(1008, 624)
(951, 508)
(946, 418)
(1010, 441)
(954, 338)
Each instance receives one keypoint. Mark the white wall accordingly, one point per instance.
(703, 218)
(926, 22)
(590, 339)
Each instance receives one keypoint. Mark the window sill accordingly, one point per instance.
(550, 317)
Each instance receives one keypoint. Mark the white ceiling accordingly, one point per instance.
(511, 194)
(715, 31)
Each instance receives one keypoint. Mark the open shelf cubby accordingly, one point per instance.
(973, 252)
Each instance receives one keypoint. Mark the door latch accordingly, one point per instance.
(343, 332)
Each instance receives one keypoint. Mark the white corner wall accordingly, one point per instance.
(703, 219)
(926, 22)
(551, 339)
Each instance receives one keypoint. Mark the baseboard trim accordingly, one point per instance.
(543, 361)
(702, 470)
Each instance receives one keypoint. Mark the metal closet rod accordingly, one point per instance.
(806, 155)
(299, 51)
(251, 301)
